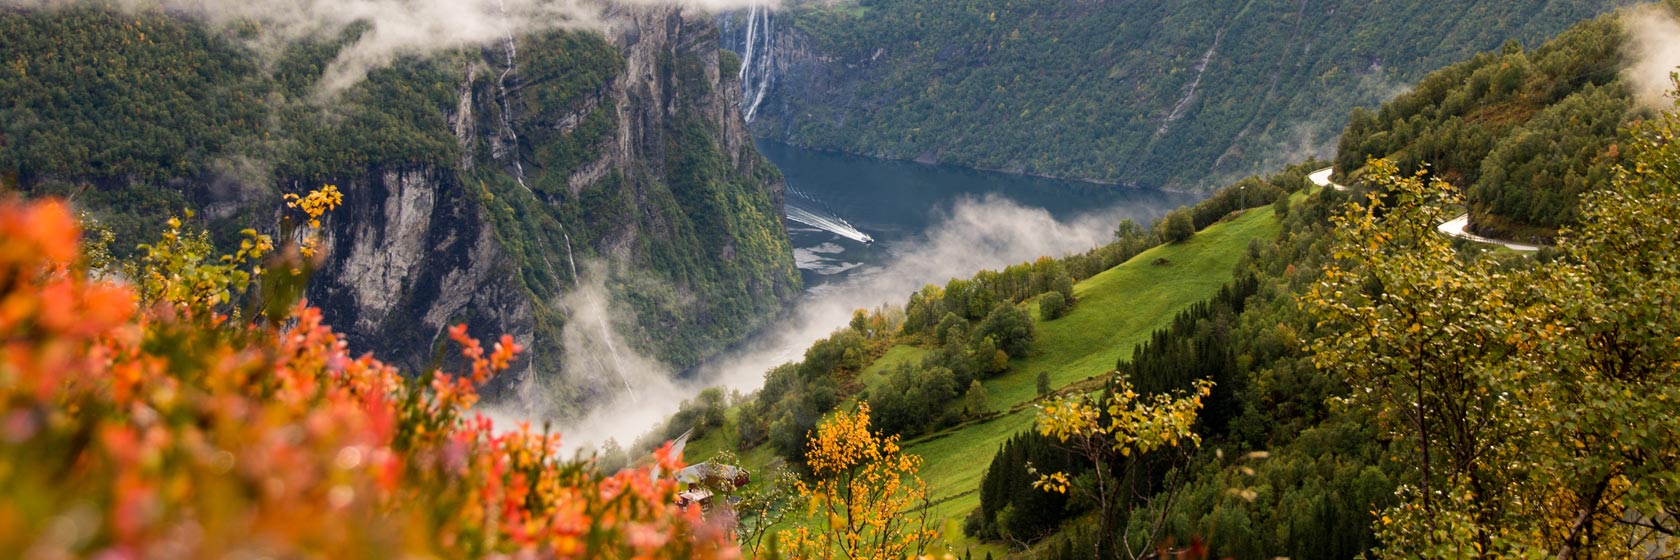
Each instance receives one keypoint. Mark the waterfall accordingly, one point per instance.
(752, 36)
(601, 323)
(569, 258)
(511, 50)
(1190, 93)
(618, 363)
(756, 60)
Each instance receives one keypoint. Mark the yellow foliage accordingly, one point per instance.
(314, 205)
(1135, 424)
(317, 203)
(867, 493)
(154, 424)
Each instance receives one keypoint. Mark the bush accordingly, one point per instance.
(1177, 226)
(1281, 206)
(977, 401)
(951, 327)
(1052, 306)
(1009, 326)
(910, 392)
(172, 423)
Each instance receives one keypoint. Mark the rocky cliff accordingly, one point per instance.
(625, 159)
(560, 181)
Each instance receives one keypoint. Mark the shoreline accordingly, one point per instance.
(920, 161)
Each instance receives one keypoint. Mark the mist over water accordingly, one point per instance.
(929, 224)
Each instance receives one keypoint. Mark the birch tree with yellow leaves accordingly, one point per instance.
(1125, 425)
(866, 498)
(1531, 402)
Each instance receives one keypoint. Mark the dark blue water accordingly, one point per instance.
(896, 203)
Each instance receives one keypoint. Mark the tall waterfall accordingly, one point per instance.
(757, 72)
(511, 49)
(601, 324)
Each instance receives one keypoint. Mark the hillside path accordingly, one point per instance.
(1454, 227)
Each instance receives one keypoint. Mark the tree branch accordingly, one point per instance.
(1583, 519)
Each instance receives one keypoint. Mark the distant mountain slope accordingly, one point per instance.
(1174, 93)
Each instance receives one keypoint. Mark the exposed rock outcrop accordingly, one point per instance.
(663, 199)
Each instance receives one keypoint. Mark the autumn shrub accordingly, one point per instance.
(866, 497)
(184, 424)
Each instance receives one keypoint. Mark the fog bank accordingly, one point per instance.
(975, 235)
(1653, 52)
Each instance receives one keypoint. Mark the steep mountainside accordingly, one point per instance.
(1178, 93)
(479, 186)
(1523, 132)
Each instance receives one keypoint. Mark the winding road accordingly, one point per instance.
(1454, 227)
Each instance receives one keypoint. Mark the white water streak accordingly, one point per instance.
(756, 82)
(594, 301)
(831, 224)
(1183, 103)
(512, 52)
(752, 38)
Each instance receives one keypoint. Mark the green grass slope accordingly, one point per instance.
(1115, 311)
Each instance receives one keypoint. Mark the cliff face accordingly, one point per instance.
(636, 170)
(780, 71)
(535, 187)
(410, 253)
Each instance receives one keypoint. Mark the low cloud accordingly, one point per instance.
(1653, 52)
(632, 388)
(395, 28)
(975, 235)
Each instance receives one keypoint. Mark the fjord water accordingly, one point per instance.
(896, 202)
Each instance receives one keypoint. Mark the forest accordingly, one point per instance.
(1189, 95)
(1363, 385)
(1378, 372)
(1525, 132)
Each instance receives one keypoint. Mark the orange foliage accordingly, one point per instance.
(173, 431)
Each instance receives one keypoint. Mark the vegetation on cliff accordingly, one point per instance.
(1525, 132)
(138, 115)
(1181, 93)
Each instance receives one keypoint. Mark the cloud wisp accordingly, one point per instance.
(1653, 53)
(394, 28)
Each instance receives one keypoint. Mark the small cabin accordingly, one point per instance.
(703, 480)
